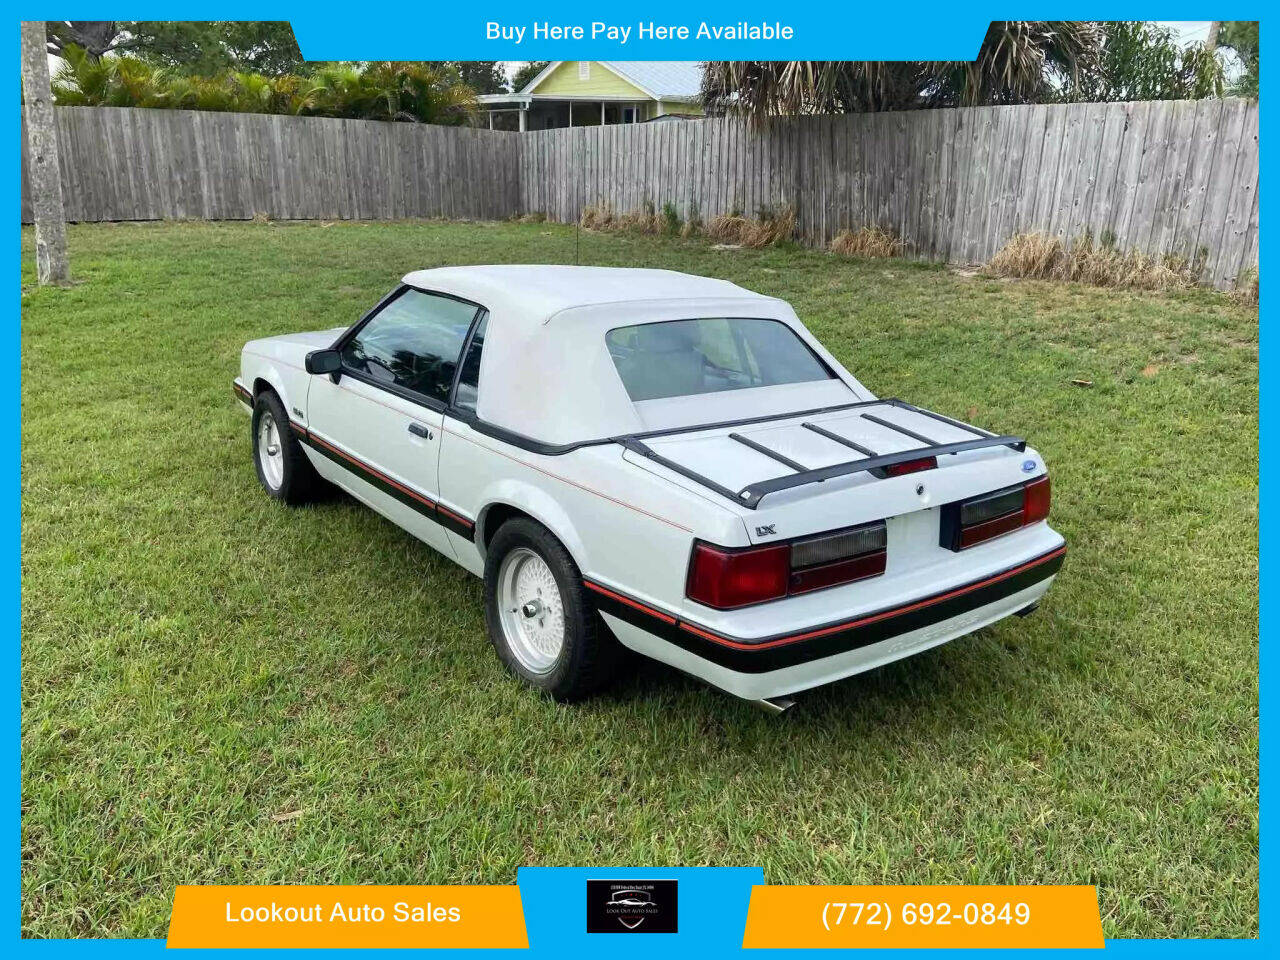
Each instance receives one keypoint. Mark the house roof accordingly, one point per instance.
(660, 79)
(663, 79)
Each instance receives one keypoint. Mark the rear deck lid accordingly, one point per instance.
(732, 460)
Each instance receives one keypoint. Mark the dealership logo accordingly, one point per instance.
(631, 906)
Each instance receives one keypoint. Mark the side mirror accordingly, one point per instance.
(323, 361)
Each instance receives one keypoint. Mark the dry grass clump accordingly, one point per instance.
(867, 242)
(596, 218)
(727, 228)
(603, 218)
(1028, 255)
(1245, 292)
(643, 220)
(768, 229)
(771, 228)
(1034, 255)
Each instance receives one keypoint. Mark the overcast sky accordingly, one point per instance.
(1188, 31)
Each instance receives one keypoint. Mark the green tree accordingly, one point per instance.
(1242, 37)
(196, 47)
(1019, 61)
(205, 47)
(526, 72)
(482, 76)
(1140, 60)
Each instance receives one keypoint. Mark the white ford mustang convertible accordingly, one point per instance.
(667, 462)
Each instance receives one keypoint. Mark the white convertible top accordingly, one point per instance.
(546, 373)
(536, 292)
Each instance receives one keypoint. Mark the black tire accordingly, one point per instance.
(589, 656)
(299, 482)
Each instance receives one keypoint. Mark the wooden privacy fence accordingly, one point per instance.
(121, 163)
(1162, 177)
(1175, 177)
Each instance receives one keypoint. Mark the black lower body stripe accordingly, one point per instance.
(450, 520)
(775, 653)
(455, 522)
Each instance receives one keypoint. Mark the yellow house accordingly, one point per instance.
(589, 93)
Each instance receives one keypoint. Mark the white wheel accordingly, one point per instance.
(270, 451)
(531, 610)
(282, 467)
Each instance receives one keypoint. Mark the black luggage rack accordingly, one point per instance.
(751, 495)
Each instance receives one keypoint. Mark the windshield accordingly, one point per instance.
(680, 358)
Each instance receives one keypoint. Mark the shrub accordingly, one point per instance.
(670, 219)
(693, 224)
(378, 90)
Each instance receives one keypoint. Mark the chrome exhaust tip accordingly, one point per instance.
(773, 705)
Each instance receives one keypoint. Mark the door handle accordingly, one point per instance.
(418, 430)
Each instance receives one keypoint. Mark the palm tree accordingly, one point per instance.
(388, 91)
(1019, 61)
(375, 91)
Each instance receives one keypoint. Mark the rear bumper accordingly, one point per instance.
(778, 665)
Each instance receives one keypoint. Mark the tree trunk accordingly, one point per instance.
(42, 158)
(1211, 41)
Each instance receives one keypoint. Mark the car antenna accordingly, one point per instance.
(577, 222)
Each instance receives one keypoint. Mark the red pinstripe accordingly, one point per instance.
(876, 617)
(836, 628)
(665, 618)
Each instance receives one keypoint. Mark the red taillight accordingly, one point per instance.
(1035, 500)
(992, 515)
(911, 466)
(725, 579)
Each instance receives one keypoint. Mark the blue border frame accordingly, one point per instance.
(713, 901)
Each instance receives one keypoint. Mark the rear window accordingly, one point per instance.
(680, 358)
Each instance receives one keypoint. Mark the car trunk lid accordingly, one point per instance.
(733, 459)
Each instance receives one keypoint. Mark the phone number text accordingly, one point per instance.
(940, 914)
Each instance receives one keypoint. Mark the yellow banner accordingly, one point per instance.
(843, 917)
(299, 916)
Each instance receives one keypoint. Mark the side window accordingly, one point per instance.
(469, 378)
(413, 343)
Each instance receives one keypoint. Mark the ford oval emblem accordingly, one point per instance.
(1028, 466)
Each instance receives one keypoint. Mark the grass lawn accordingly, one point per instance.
(216, 689)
